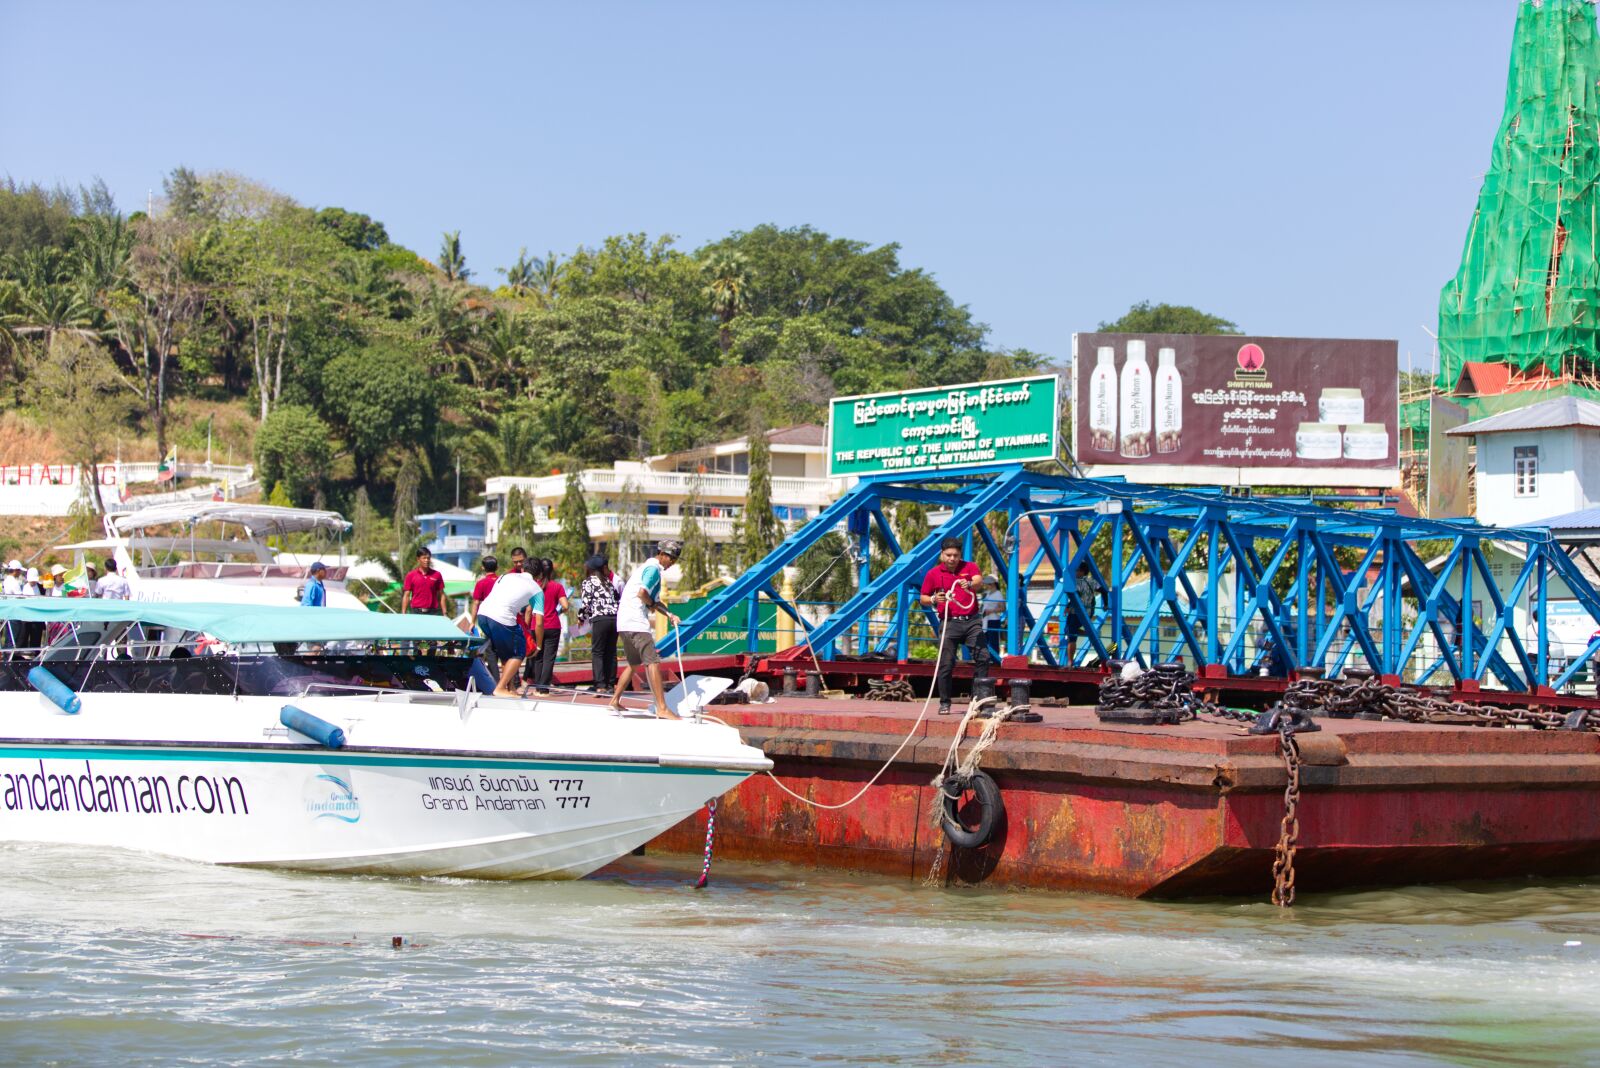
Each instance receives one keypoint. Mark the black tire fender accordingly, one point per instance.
(991, 809)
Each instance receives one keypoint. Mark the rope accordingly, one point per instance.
(711, 831)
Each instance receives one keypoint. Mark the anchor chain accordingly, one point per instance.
(890, 690)
(1163, 694)
(1361, 696)
(1289, 828)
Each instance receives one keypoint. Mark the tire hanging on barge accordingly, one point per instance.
(986, 796)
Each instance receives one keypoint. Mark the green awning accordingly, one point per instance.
(238, 622)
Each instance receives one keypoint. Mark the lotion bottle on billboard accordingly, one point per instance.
(1169, 401)
(1103, 401)
(1136, 403)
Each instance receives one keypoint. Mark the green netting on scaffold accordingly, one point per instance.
(1528, 290)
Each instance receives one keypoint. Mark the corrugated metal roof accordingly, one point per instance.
(1546, 415)
(1587, 518)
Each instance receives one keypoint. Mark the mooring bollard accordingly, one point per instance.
(1021, 693)
(790, 684)
(813, 684)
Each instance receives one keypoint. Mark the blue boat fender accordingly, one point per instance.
(316, 728)
(58, 692)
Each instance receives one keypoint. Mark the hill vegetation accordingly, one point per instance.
(362, 364)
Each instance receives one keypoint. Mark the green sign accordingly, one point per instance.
(731, 633)
(977, 424)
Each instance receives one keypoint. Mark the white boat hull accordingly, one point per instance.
(469, 809)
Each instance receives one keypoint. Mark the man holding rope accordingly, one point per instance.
(950, 589)
(641, 596)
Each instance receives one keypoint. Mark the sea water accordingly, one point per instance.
(127, 959)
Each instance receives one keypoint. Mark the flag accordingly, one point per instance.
(122, 484)
(216, 494)
(168, 469)
(74, 581)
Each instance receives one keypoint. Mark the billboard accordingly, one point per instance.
(1231, 410)
(914, 431)
(1449, 462)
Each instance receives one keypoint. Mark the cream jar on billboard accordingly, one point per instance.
(1135, 409)
(1169, 401)
(1318, 441)
(1366, 441)
(1342, 406)
(1103, 400)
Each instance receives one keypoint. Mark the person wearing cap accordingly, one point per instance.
(56, 586)
(11, 585)
(641, 596)
(31, 586)
(316, 594)
(600, 593)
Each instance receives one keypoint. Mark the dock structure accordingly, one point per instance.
(1236, 587)
(1190, 809)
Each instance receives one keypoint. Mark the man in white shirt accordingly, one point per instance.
(513, 594)
(641, 596)
(112, 587)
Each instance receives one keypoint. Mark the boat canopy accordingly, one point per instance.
(238, 623)
(259, 519)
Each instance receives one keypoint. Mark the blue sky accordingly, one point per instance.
(1302, 168)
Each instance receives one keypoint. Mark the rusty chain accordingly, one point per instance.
(890, 690)
(1289, 828)
(1370, 698)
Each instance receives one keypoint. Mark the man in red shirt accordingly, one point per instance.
(423, 589)
(951, 590)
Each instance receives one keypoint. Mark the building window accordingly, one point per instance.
(655, 508)
(1525, 466)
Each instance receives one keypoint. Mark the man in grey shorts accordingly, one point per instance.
(640, 597)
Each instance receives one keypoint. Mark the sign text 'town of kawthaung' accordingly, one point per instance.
(976, 424)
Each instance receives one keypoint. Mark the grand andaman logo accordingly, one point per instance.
(328, 797)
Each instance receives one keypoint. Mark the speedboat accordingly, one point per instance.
(325, 740)
(219, 551)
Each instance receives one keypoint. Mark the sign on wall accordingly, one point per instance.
(976, 424)
(1232, 410)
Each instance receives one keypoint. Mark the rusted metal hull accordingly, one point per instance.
(1185, 810)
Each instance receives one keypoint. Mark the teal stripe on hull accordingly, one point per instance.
(328, 756)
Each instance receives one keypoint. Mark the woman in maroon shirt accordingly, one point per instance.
(555, 603)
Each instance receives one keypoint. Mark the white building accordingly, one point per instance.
(1536, 462)
(652, 495)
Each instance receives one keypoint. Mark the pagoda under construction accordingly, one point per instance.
(1527, 293)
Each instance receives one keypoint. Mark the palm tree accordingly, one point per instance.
(503, 346)
(374, 287)
(448, 321)
(512, 447)
(726, 285)
(451, 260)
(520, 275)
(547, 274)
(102, 251)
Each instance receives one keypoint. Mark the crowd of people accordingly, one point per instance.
(520, 613)
(20, 581)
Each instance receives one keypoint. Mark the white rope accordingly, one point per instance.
(921, 715)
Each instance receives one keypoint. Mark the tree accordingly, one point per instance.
(758, 532)
(75, 382)
(572, 543)
(826, 571)
(695, 563)
(381, 397)
(1145, 318)
(152, 317)
(521, 275)
(451, 260)
(353, 229)
(630, 525)
(517, 526)
(293, 448)
(725, 287)
(407, 482)
(910, 524)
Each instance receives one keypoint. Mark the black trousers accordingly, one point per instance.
(544, 670)
(603, 658)
(961, 631)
